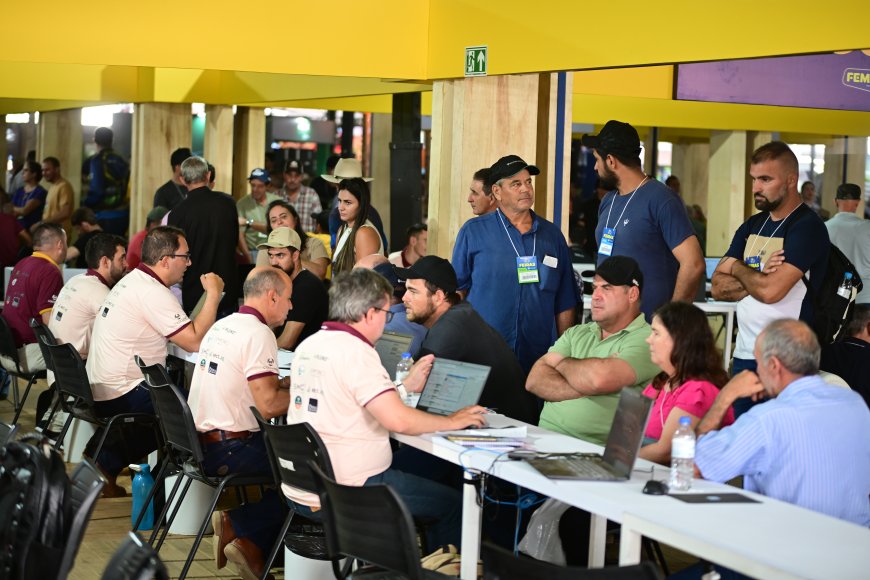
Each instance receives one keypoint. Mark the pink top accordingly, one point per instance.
(694, 397)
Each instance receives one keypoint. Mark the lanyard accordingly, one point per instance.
(761, 229)
(607, 221)
(507, 233)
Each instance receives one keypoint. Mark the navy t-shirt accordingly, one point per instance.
(653, 223)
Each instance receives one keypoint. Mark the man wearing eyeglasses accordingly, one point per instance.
(139, 316)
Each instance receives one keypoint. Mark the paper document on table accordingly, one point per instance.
(516, 431)
(498, 444)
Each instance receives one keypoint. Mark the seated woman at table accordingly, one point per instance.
(314, 255)
(682, 345)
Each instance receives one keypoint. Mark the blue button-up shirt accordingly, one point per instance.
(809, 446)
(485, 260)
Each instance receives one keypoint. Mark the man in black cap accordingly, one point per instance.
(515, 266)
(851, 234)
(457, 332)
(582, 375)
(643, 219)
(174, 191)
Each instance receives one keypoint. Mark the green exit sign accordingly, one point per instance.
(475, 61)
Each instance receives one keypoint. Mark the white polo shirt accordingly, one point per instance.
(138, 316)
(72, 318)
(237, 349)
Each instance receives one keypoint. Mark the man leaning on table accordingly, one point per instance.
(808, 445)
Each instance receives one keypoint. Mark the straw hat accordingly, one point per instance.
(346, 169)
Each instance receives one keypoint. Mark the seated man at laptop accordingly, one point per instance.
(580, 378)
(340, 388)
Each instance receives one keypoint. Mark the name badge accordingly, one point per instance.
(527, 269)
(608, 237)
(753, 262)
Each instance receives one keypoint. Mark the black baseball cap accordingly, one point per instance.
(433, 269)
(615, 137)
(508, 166)
(621, 271)
(848, 191)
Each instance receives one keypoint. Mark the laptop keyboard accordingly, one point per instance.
(587, 467)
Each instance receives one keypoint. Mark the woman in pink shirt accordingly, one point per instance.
(682, 345)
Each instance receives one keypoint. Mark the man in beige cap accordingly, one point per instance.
(309, 300)
(348, 169)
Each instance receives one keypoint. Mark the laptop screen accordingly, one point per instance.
(452, 385)
(711, 266)
(390, 347)
(626, 432)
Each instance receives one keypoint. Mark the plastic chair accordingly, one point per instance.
(10, 351)
(76, 398)
(295, 445)
(135, 560)
(7, 432)
(45, 337)
(87, 483)
(372, 524)
(501, 564)
(182, 441)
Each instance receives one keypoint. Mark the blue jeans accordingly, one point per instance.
(743, 404)
(127, 442)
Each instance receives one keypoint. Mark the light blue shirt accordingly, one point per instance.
(402, 325)
(809, 446)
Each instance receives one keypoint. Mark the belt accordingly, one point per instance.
(217, 435)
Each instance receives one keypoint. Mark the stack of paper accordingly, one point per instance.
(487, 442)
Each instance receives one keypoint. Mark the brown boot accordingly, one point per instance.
(223, 535)
(247, 557)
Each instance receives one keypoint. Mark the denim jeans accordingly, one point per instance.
(127, 442)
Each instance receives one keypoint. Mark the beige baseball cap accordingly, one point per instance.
(282, 238)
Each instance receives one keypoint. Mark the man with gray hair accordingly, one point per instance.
(210, 222)
(340, 388)
(807, 445)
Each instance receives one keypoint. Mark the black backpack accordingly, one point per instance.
(832, 312)
(35, 511)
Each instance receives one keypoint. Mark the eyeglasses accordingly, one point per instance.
(186, 256)
(387, 313)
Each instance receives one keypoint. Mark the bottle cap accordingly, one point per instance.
(406, 355)
(685, 421)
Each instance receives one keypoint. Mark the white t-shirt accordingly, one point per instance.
(335, 374)
(237, 349)
(138, 316)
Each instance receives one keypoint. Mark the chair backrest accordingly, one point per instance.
(154, 374)
(7, 344)
(44, 337)
(7, 432)
(290, 449)
(177, 421)
(501, 564)
(370, 523)
(87, 483)
(134, 559)
(70, 375)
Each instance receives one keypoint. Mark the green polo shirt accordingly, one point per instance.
(251, 210)
(589, 418)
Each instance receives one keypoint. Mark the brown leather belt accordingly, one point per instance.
(218, 435)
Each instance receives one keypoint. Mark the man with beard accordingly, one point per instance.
(785, 223)
(643, 219)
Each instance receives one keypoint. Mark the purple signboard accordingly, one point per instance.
(823, 81)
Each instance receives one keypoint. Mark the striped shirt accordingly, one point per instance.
(809, 446)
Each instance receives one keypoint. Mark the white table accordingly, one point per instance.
(729, 310)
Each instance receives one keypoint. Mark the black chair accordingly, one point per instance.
(135, 560)
(10, 351)
(76, 398)
(7, 433)
(370, 523)
(182, 440)
(290, 448)
(44, 338)
(501, 564)
(87, 483)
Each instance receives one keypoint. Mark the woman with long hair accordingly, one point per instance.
(315, 258)
(356, 237)
(682, 345)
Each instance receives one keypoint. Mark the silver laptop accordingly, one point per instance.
(623, 445)
(390, 347)
(452, 385)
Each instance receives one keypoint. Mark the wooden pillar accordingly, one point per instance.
(59, 134)
(728, 187)
(475, 121)
(158, 130)
(690, 162)
(249, 146)
(854, 151)
(382, 130)
(553, 158)
(218, 147)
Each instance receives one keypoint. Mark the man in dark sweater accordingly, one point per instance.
(173, 192)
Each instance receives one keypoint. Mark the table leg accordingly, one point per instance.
(471, 518)
(729, 336)
(597, 541)
(629, 543)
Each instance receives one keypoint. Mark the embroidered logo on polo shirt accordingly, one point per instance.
(202, 364)
(15, 301)
(105, 311)
(177, 316)
(270, 361)
(297, 402)
(625, 222)
(58, 316)
(312, 405)
(212, 368)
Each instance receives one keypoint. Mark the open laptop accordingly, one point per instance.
(390, 347)
(711, 264)
(451, 386)
(623, 444)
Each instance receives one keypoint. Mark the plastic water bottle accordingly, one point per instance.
(845, 289)
(142, 484)
(682, 457)
(403, 367)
